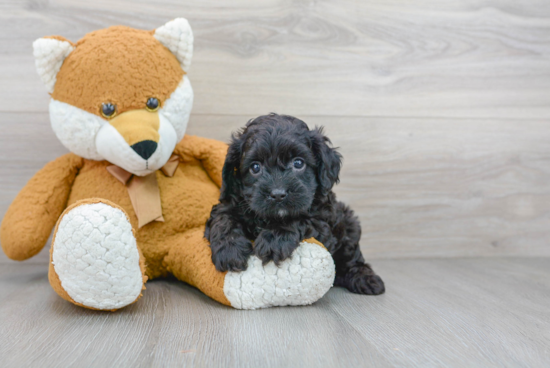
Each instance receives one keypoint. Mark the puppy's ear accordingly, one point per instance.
(231, 175)
(328, 159)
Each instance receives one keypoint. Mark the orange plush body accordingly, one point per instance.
(122, 215)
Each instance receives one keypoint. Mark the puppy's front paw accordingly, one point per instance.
(271, 246)
(231, 254)
(361, 280)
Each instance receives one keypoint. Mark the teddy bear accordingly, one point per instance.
(129, 202)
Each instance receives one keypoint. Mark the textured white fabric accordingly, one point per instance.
(177, 37)
(300, 280)
(76, 128)
(49, 55)
(96, 258)
(177, 108)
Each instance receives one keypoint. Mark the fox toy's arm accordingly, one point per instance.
(31, 217)
(211, 153)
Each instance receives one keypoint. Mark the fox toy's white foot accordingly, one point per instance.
(95, 261)
(300, 280)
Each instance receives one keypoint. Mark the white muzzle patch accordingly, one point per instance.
(92, 137)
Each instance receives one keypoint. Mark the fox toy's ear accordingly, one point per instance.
(177, 37)
(49, 54)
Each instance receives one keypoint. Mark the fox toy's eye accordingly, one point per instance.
(298, 163)
(108, 110)
(152, 104)
(255, 168)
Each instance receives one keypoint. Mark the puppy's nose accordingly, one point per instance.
(278, 194)
(145, 148)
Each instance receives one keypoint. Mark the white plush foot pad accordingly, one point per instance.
(300, 280)
(96, 258)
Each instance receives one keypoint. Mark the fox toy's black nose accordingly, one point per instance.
(278, 194)
(145, 148)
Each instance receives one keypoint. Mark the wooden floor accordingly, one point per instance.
(442, 112)
(436, 313)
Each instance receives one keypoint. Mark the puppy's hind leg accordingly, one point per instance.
(351, 270)
(360, 279)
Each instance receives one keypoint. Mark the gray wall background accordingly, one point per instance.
(441, 108)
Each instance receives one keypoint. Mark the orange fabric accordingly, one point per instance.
(315, 241)
(190, 260)
(209, 152)
(33, 213)
(121, 65)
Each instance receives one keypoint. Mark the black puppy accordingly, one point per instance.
(276, 190)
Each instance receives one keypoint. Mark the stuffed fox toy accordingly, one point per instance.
(130, 200)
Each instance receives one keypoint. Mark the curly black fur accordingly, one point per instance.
(285, 202)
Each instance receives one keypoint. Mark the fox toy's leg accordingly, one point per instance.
(302, 279)
(94, 260)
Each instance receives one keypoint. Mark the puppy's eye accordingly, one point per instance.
(108, 110)
(299, 163)
(255, 168)
(152, 104)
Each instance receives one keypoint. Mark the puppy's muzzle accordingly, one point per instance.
(278, 195)
(139, 128)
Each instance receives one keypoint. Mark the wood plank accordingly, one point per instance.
(483, 59)
(454, 313)
(174, 325)
(421, 187)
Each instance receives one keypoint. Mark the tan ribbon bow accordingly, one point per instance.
(144, 190)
